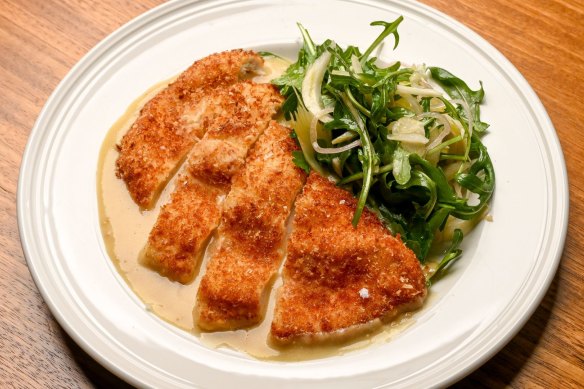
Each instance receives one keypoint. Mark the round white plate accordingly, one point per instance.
(488, 295)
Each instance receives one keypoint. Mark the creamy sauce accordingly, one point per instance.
(125, 228)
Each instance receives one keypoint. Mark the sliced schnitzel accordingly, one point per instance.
(251, 237)
(174, 120)
(186, 223)
(340, 280)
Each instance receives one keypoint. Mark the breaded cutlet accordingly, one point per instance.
(185, 224)
(339, 280)
(173, 121)
(251, 237)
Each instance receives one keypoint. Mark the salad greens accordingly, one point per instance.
(410, 152)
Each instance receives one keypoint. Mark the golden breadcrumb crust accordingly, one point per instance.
(338, 281)
(171, 123)
(185, 224)
(251, 236)
(336, 277)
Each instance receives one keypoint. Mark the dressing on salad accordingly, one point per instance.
(406, 140)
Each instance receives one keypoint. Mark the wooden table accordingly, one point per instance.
(41, 40)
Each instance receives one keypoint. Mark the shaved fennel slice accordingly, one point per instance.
(355, 64)
(408, 130)
(413, 102)
(413, 139)
(421, 92)
(445, 130)
(314, 137)
(311, 86)
(301, 126)
(345, 137)
(419, 77)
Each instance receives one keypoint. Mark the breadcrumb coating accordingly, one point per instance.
(185, 224)
(251, 237)
(174, 120)
(338, 280)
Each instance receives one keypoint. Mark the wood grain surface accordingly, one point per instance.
(41, 40)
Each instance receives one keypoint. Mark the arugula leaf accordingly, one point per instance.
(290, 106)
(403, 183)
(451, 255)
(401, 166)
(479, 179)
(300, 161)
(458, 89)
(419, 179)
(390, 28)
(293, 76)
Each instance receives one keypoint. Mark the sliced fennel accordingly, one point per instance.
(405, 140)
(311, 86)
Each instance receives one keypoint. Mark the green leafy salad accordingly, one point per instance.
(405, 140)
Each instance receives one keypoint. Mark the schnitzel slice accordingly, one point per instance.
(185, 224)
(173, 121)
(250, 240)
(340, 280)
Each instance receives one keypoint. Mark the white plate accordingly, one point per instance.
(507, 266)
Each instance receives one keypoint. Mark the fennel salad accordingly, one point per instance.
(405, 140)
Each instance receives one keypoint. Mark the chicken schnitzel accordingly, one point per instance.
(185, 224)
(174, 120)
(251, 237)
(340, 280)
